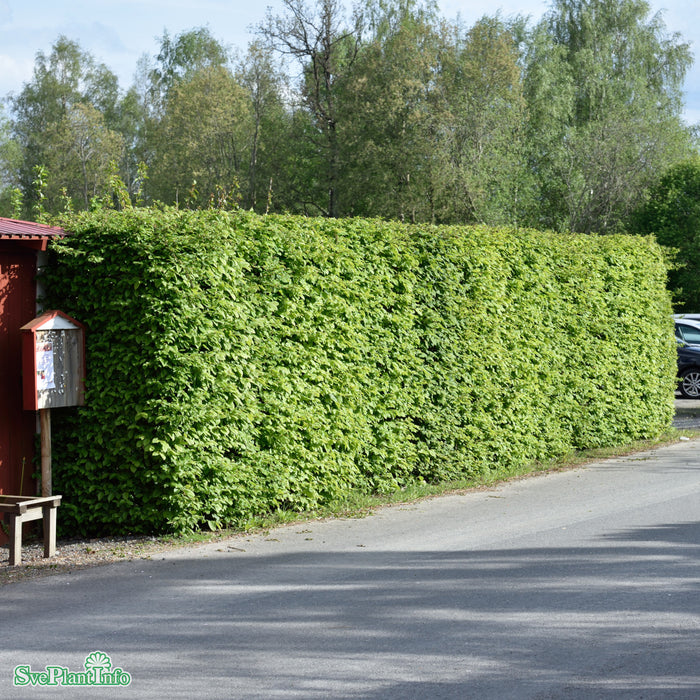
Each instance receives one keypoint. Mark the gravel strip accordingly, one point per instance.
(72, 555)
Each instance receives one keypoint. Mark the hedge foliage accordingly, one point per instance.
(239, 364)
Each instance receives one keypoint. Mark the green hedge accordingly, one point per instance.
(239, 364)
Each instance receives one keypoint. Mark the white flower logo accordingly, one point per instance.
(98, 659)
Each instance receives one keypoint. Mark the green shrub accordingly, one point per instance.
(239, 364)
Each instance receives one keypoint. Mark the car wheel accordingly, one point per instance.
(689, 384)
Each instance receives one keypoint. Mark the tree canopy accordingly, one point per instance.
(603, 84)
(672, 213)
(386, 110)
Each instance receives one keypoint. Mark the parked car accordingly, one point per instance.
(687, 329)
(689, 370)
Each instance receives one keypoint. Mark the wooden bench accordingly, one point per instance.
(22, 509)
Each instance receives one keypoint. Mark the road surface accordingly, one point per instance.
(577, 584)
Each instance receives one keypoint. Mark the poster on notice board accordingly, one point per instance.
(44, 366)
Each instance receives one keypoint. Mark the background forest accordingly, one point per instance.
(382, 110)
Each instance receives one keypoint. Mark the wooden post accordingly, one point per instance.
(45, 420)
(15, 540)
(49, 524)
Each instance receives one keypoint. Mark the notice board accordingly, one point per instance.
(53, 362)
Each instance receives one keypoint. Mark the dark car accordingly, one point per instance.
(689, 371)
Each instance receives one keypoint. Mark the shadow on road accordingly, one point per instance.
(617, 619)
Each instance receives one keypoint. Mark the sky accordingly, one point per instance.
(118, 32)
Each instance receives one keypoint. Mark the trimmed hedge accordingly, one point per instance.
(239, 364)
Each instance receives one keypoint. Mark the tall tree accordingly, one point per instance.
(604, 91)
(387, 147)
(132, 123)
(173, 75)
(67, 77)
(480, 119)
(326, 48)
(435, 117)
(179, 58)
(204, 138)
(79, 160)
(270, 141)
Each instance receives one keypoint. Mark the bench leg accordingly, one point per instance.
(15, 540)
(49, 531)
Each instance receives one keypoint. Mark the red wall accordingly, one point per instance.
(17, 427)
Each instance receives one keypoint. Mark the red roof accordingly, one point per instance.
(28, 232)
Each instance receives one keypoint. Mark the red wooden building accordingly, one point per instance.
(22, 246)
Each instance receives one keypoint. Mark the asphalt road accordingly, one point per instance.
(578, 584)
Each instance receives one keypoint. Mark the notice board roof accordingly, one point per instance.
(28, 233)
(52, 320)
